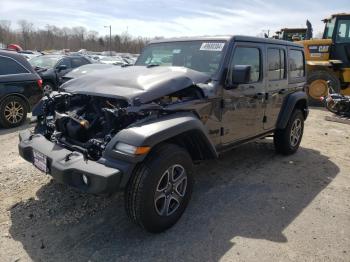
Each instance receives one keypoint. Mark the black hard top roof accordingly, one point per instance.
(229, 38)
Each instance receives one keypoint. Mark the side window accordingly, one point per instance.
(9, 66)
(248, 56)
(64, 61)
(276, 60)
(296, 64)
(78, 61)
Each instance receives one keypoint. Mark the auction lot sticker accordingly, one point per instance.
(39, 161)
(214, 46)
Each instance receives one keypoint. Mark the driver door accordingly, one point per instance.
(242, 112)
(59, 73)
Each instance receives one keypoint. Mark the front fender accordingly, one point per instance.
(290, 102)
(157, 131)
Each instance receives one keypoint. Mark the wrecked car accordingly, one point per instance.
(141, 128)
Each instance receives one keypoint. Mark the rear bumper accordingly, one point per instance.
(70, 170)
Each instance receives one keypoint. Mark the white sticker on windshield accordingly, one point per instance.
(212, 46)
(176, 51)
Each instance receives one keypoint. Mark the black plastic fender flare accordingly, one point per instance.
(288, 106)
(157, 131)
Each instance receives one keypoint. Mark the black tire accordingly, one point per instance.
(141, 203)
(9, 118)
(48, 87)
(284, 144)
(325, 76)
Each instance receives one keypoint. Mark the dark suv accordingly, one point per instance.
(20, 89)
(52, 68)
(141, 128)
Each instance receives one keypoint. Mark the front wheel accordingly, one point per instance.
(160, 189)
(287, 140)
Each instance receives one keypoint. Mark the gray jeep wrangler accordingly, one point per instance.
(141, 128)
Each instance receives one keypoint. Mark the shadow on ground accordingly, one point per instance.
(249, 192)
(6, 131)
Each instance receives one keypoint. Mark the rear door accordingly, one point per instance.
(276, 83)
(78, 61)
(16, 78)
(242, 106)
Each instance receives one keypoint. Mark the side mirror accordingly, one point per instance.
(61, 67)
(240, 75)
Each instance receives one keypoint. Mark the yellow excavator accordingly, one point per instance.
(291, 34)
(328, 59)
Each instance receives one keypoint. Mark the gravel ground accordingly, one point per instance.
(249, 205)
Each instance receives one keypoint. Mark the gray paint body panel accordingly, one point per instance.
(139, 82)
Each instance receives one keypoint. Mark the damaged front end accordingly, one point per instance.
(85, 134)
(86, 123)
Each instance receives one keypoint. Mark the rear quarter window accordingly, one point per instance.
(296, 64)
(78, 61)
(9, 66)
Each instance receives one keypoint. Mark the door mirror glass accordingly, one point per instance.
(245, 66)
(240, 75)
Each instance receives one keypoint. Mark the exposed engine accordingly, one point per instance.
(87, 123)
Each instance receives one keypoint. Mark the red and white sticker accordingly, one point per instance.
(213, 46)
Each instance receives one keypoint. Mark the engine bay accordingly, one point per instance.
(87, 123)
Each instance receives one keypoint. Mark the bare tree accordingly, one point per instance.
(26, 29)
(53, 37)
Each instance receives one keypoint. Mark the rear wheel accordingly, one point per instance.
(287, 140)
(318, 84)
(13, 112)
(160, 189)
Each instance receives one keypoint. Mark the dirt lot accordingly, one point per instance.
(250, 205)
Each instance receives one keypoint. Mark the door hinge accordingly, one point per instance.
(264, 119)
(221, 131)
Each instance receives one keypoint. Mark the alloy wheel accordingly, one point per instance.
(170, 191)
(296, 132)
(14, 112)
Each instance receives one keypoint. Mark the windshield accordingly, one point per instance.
(328, 32)
(203, 56)
(44, 61)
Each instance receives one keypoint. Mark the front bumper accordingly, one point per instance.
(70, 170)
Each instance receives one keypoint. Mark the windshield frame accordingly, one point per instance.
(214, 75)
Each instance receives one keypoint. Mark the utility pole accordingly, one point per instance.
(110, 38)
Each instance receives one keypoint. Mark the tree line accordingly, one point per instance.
(74, 38)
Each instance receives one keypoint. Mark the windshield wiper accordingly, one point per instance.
(152, 65)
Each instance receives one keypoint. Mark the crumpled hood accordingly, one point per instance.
(132, 82)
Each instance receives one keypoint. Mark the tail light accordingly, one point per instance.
(40, 83)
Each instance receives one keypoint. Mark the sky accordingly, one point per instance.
(173, 18)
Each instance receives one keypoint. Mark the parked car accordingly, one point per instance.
(20, 89)
(85, 69)
(112, 60)
(141, 128)
(52, 68)
(29, 54)
(108, 53)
